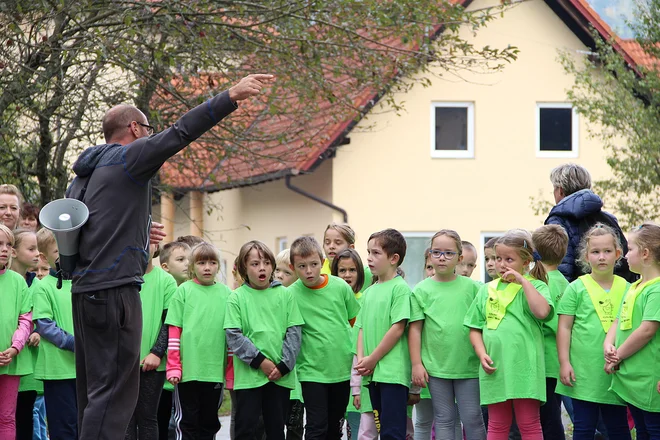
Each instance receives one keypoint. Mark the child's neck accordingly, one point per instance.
(197, 281)
(650, 272)
(19, 268)
(549, 267)
(445, 277)
(388, 275)
(605, 280)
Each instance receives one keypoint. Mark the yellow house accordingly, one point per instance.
(465, 154)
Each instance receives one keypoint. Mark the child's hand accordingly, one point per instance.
(512, 276)
(151, 362)
(658, 389)
(487, 364)
(274, 375)
(357, 401)
(34, 339)
(267, 367)
(413, 399)
(174, 380)
(567, 374)
(611, 355)
(7, 355)
(366, 366)
(611, 367)
(420, 377)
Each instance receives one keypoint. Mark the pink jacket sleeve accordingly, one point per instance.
(356, 379)
(174, 368)
(22, 333)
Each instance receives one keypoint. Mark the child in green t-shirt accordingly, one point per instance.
(197, 350)
(439, 305)
(263, 330)
(506, 333)
(337, 238)
(382, 345)
(56, 366)
(490, 258)
(632, 345)
(469, 262)
(327, 304)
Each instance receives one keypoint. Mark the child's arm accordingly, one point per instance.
(247, 352)
(419, 375)
(609, 349)
(477, 341)
(290, 350)
(49, 330)
(356, 384)
(22, 333)
(152, 360)
(538, 305)
(564, 330)
(638, 339)
(174, 368)
(368, 363)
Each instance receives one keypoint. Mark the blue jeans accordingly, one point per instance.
(391, 402)
(647, 423)
(39, 419)
(586, 419)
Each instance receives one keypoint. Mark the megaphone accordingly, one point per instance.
(65, 217)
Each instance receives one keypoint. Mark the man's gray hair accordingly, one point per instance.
(571, 178)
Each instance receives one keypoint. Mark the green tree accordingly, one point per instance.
(622, 104)
(63, 63)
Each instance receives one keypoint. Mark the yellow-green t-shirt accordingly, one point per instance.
(557, 284)
(446, 349)
(325, 352)
(156, 293)
(52, 303)
(636, 382)
(263, 316)
(16, 301)
(385, 304)
(515, 346)
(29, 381)
(200, 312)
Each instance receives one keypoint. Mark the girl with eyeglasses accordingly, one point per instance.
(440, 351)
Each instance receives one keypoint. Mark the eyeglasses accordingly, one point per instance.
(150, 129)
(449, 255)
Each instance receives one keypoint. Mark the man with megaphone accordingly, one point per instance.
(113, 181)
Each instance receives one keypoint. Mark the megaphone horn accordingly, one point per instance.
(65, 217)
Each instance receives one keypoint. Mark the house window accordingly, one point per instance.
(452, 129)
(485, 236)
(556, 130)
(281, 243)
(413, 263)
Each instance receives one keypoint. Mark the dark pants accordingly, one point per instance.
(144, 423)
(108, 330)
(271, 401)
(647, 424)
(61, 409)
(294, 422)
(325, 404)
(164, 413)
(586, 416)
(196, 409)
(550, 412)
(390, 401)
(24, 421)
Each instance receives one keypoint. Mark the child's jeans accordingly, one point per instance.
(500, 416)
(368, 429)
(39, 419)
(647, 423)
(391, 403)
(8, 397)
(586, 415)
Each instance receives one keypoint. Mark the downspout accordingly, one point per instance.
(304, 193)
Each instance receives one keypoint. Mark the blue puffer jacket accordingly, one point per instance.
(568, 213)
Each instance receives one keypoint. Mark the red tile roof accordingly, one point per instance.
(637, 53)
(256, 147)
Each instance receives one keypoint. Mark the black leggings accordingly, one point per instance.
(144, 423)
(24, 420)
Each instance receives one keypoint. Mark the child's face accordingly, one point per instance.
(27, 252)
(285, 275)
(30, 223)
(445, 265)
(491, 260)
(308, 269)
(429, 271)
(43, 268)
(634, 255)
(508, 258)
(259, 270)
(602, 254)
(469, 262)
(52, 254)
(206, 271)
(334, 243)
(347, 271)
(379, 262)
(177, 265)
(5, 249)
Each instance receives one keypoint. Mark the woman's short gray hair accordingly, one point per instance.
(571, 178)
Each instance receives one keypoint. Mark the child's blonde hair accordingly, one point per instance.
(344, 230)
(597, 230)
(8, 233)
(304, 247)
(647, 236)
(203, 252)
(521, 241)
(283, 258)
(45, 238)
(451, 234)
(551, 243)
(166, 251)
(19, 235)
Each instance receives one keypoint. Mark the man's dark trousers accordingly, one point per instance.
(108, 331)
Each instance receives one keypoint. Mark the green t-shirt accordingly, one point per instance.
(52, 303)
(586, 352)
(446, 349)
(557, 284)
(16, 301)
(263, 316)
(515, 346)
(365, 405)
(385, 304)
(156, 293)
(636, 382)
(200, 312)
(325, 352)
(29, 382)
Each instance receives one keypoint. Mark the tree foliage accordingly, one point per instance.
(63, 63)
(622, 103)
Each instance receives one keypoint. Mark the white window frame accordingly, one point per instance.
(454, 154)
(482, 242)
(280, 241)
(575, 131)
